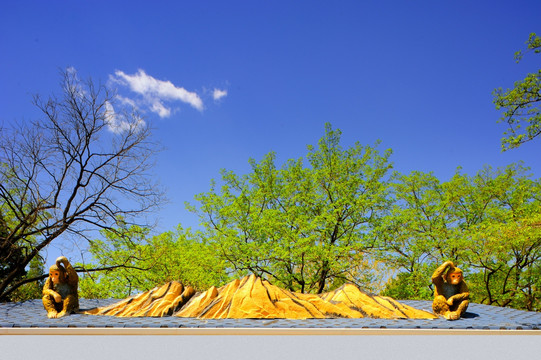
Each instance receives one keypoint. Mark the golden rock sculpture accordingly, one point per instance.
(160, 301)
(254, 298)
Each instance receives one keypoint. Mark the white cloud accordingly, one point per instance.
(117, 125)
(127, 101)
(160, 109)
(155, 92)
(71, 70)
(217, 94)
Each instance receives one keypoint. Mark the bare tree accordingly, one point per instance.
(79, 168)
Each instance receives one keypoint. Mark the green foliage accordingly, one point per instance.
(406, 285)
(306, 228)
(13, 252)
(418, 228)
(137, 263)
(533, 44)
(520, 105)
(505, 248)
(31, 290)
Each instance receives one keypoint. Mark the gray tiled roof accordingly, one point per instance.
(483, 317)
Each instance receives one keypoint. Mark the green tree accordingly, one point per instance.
(520, 104)
(504, 249)
(76, 169)
(421, 230)
(306, 227)
(137, 262)
(488, 223)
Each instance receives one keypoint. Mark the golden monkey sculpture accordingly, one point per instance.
(60, 296)
(451, 296)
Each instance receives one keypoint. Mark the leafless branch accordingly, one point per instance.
(82, 166)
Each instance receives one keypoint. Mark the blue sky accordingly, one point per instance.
(223, 81)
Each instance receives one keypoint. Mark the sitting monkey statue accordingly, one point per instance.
(60, 296)
(451, 296)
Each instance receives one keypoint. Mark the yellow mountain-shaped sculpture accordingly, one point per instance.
(254, 298)
(160, 301)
